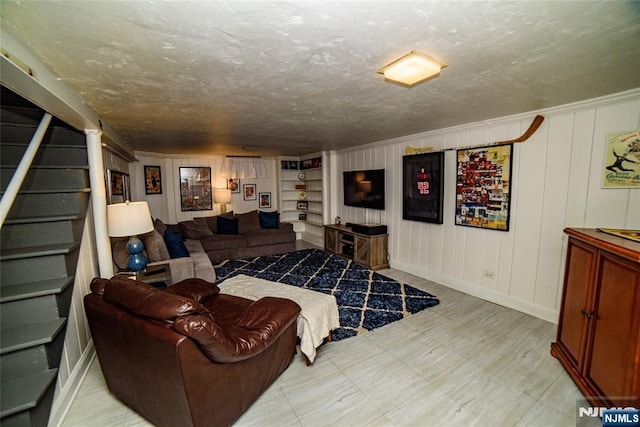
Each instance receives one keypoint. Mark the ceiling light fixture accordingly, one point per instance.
(411, 69)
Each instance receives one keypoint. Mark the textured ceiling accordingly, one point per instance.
(291, 78)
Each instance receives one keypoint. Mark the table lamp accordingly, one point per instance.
(130, 219)
(222, 196)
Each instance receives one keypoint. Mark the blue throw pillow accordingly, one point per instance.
(175, 244)
(227, 225)
(269, 219)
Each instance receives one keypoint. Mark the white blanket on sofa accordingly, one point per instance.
(319, 313)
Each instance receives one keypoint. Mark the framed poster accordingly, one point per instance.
(249, 191)
(152, 180)
(622, 161)
(483, 187)
(118, 187)
(265, 200)
(233, 184)
(423, 187)
(195, 189)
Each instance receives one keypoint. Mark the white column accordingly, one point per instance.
(99, 201)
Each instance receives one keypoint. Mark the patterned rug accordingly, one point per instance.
(366, 300)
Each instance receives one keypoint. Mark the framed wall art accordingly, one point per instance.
(622, 161)
(423, 187)
(233, 184)
(249, 192)
(195, 189)
(118, 186)
(265, 200)
(152, 180)
(483, 187)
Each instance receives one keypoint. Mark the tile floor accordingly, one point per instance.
(464, 362)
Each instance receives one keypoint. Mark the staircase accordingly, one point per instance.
(39, 249)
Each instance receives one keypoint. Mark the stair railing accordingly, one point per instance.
(20, 173)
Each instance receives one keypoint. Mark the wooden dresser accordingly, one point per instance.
(598, 331)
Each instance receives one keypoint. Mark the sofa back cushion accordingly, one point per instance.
(155, 246)
(145, 300)
(269, 220)
(248, 222)
(195, 229)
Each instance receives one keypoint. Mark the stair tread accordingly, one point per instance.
(55, 190)
(15, 292)
(42, 250)
(11, 166)
(45, 144)
(30, 335)
(20, 394)
(33, 219)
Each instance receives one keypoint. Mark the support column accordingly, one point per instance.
(99, 201)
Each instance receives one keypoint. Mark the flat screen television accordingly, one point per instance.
(364, 189)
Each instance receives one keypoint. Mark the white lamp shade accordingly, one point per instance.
(222, 195)
(128, 219)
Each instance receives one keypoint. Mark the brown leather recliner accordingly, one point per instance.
(188, 355)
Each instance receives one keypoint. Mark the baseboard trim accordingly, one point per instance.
(486, 294)
(63, 401)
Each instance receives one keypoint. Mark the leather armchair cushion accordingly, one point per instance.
(145, 300)
(256, 328)
(196, 289)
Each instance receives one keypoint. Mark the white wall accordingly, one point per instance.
(78, 345)
(556, 184)
(166, 206)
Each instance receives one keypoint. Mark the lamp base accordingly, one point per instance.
(223, 208)
(136, 261)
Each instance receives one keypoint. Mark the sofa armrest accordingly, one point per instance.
(257, 328)
(286, 226)
(202, 267)
(181, 269)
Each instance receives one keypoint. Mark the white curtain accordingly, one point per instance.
(243, 168)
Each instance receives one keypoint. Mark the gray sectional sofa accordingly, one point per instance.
(237, 236)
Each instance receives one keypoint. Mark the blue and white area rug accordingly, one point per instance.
(366, 300)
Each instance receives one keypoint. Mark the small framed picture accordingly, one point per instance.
(302, 205)
(265, 200)
(233, 184)
(152, 180)
(302, 217)
(249, 191)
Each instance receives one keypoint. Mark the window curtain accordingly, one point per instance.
(244, 168)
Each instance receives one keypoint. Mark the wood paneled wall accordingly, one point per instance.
(556, 182)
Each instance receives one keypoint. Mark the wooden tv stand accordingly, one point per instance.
(370, 251)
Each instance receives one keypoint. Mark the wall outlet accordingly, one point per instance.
(489, 274)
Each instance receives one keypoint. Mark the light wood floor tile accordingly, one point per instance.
(464, 362)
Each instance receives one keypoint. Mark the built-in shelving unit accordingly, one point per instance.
(301, 196)
(289, 194)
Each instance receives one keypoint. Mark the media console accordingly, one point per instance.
(369, 250)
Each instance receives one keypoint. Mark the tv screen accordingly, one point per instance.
(364, 189)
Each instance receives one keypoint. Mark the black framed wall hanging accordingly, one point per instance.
(423, 187)
(483, 186)
(195, 189)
